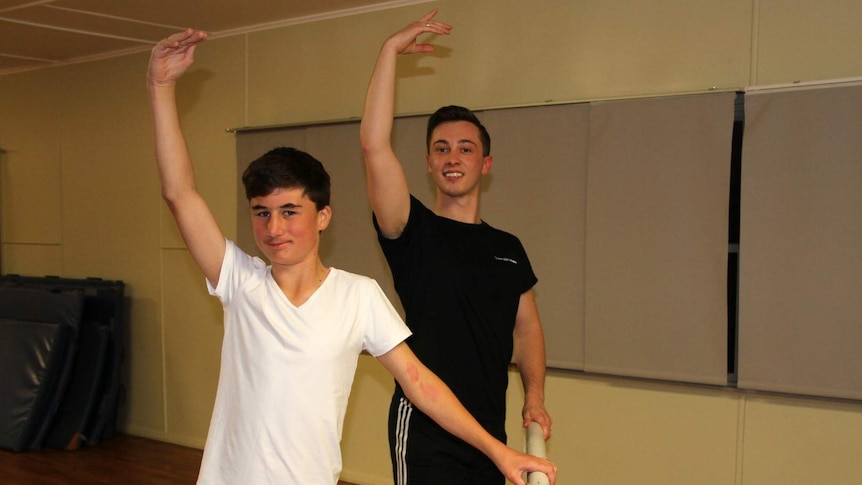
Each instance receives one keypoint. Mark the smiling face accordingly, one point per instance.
(287, 226)
(455, 159)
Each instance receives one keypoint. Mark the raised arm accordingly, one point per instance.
(529, 356)
(169, 59)
(434, 398)
(387, 185)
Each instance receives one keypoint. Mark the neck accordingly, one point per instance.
(299, 282)
(462, 209)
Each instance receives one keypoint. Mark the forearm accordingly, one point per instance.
(436, 400)
(531, 367)
(387, 187)
(529, 349)
(172, 157)
(375, 129)
(433, 397)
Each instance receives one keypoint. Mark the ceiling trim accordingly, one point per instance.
(147, 44)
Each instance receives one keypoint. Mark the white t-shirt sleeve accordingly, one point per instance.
(235, 267)
(385, 328)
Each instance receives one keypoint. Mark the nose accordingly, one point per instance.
(274, 226)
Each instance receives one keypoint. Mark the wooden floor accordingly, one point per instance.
(122, 459)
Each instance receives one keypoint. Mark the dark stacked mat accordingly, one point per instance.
(61, 351)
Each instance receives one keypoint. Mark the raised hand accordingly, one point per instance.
(171, 57)
(404, 41)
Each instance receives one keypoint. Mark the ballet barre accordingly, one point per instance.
(536, 447)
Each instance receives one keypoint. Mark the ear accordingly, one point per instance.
(486, 164)
(323, 217)
(428, 162)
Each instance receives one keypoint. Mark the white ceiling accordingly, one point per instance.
(42, 33)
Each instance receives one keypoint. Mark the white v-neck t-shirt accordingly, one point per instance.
(286, 372)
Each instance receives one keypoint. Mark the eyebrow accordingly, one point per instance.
(289, 205)
(463, 140)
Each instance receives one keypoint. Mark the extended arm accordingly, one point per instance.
(434, 398)
(169, 59)
(529, 355)
(387, 185)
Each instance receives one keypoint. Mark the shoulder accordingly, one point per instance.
(501, 235)
(352, 281)
(419, 219)
(347, 277)
(418, 209)
(240, 272)
(235, 256)
(355, 290)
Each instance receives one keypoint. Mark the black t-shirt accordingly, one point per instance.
(460, 285)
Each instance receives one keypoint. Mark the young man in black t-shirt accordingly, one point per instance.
(466, 287)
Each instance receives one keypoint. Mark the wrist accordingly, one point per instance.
(391, 47)
(497, 451)
(534, 398)
(155, 87)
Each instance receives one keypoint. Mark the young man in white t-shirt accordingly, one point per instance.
(294, 328)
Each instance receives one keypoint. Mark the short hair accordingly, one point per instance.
(451, 113)
(287, 168)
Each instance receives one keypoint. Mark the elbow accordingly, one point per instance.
(174, 197)
(371, 144)
(421, 398)
(368, 147)
(172, 203)
(170, 196)
(420, 387)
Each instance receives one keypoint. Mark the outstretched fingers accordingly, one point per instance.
(427, 24)
(404, 41)
(180, 42)
(173, 55)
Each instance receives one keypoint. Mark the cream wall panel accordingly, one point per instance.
(612, 431)
(512, 53)
(789, 442)
(109, 196)
(193, 332)
(29, 135)
(111, 211)
(312, 72)
(800, 40)
(31, 259)
(210, 99)
(576, 50)
(365, 442)
(143, 411)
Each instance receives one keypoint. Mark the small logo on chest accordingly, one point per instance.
(508, 260)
